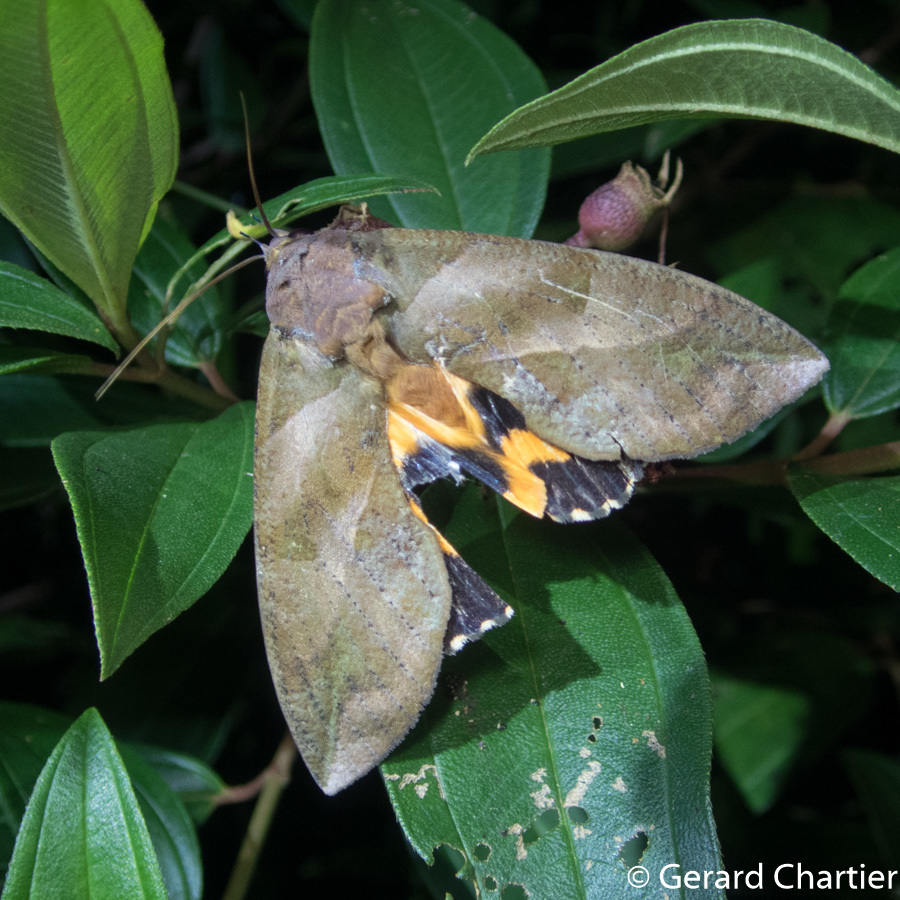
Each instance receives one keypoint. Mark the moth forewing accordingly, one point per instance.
(353, 591)
(534, 352)
(603, 354)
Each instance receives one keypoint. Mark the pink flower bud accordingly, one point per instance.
(614, 216)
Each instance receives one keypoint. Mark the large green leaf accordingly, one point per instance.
(752, 68)
(160, 512)
(574, 741)
(28, 301)
(83, 835)
(165, 783)
(89, 136)
(408, 87)
(860, 515)
(863, 347)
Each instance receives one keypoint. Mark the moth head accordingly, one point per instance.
(314, 291)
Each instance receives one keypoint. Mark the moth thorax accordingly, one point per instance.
(374, 355)
(314, 291)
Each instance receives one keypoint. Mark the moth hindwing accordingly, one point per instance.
(398, 356)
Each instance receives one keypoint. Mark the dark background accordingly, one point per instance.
(754, 592)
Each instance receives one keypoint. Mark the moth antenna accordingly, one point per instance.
(256, 198)
(171, 317)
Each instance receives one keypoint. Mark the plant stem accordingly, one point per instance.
(830, 430)
(275, 777)
(867, 461)
(217, 382)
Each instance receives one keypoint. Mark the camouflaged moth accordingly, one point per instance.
(397, 356)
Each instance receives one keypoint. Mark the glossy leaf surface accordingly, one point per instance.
(83, 835)
(407, 88)
(586, 720)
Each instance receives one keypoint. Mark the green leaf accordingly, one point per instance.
(862, 516)
(196, 784)
(28, 735)
(586, 720)
(196, 337)
(786, 697)
(90, 136)
(34, 409)
(299, 11)
(170, 827)
(160, 512)
(753, 68)
(83, 835)
(863, 336)
(166, 785)
(14, 358)
(759, 730)
(410, 86)
(876, 778)
(810, 242)
(321, 193)
(28, 301)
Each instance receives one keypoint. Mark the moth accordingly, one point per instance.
(395, 357)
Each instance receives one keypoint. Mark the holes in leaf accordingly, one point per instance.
(482, 852)
(597, 723)
(514, 892)
(546, 822)
(578, 815)
(449, 857)
(490, 884)
(633, 849)
(592, 738)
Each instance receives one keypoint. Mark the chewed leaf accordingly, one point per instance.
(585, 718)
